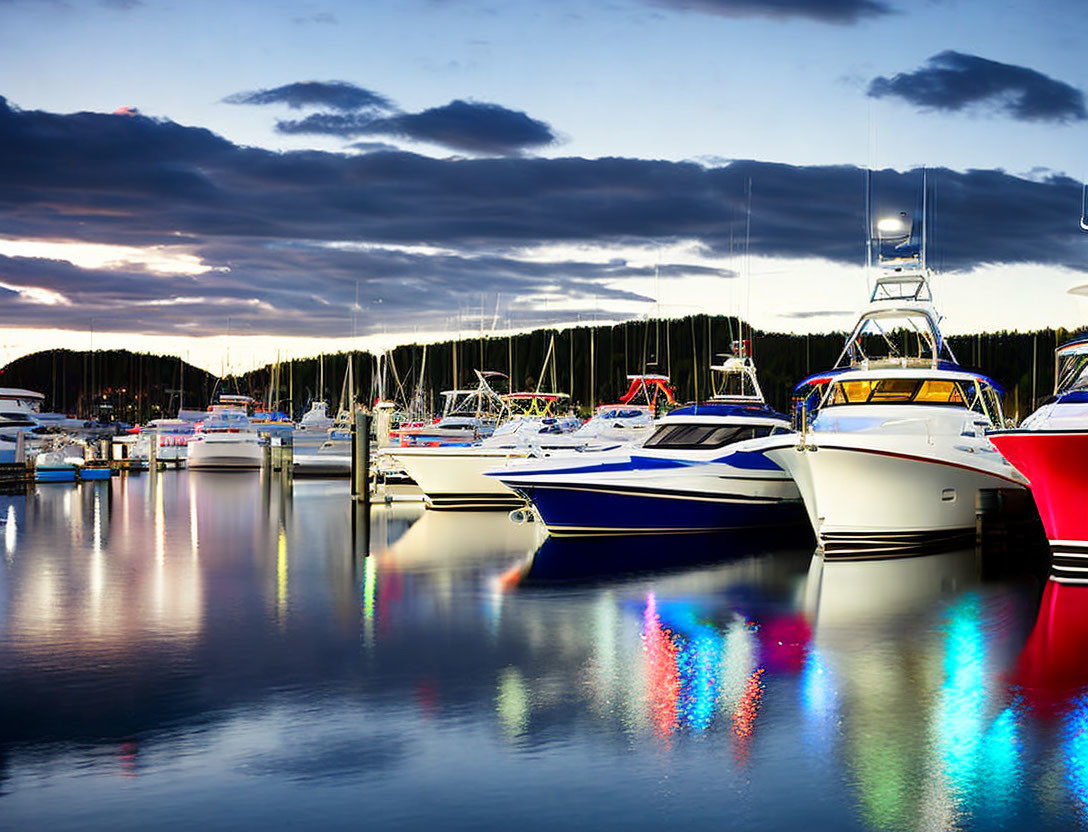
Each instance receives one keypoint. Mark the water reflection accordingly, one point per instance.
(228, 645)
(931, 730)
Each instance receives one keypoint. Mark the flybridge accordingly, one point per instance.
(901, 304)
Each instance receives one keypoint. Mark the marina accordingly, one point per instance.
(642, 415)
(653, 606)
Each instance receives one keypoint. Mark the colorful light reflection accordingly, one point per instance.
(694, 671)
(1075, 742)
(662, 678)
(980, 756)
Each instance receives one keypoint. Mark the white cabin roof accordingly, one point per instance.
(908, 372)
(19, 393)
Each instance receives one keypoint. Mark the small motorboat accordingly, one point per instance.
(697, 472)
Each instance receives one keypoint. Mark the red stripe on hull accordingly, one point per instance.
(1056, 464)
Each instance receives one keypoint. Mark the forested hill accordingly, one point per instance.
(589, 363)
(110, 384)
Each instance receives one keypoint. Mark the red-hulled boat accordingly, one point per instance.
(1051, 449)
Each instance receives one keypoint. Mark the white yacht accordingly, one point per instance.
(19, 410)
(17, 405)
(897, 451)
(226, 439)
(171, 438)
(453, 476)
(317, 418)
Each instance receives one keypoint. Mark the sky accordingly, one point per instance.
(234, 182)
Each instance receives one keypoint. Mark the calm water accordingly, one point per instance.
(209, 653)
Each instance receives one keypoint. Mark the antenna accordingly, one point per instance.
(922, 255)
(747, 263)
(868, 230)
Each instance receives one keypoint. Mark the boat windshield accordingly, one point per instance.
(226, 420)
(669, 437)
(1072, 372)
(969, 394)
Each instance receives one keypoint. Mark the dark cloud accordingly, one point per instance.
(374, 147)
(460, 125)
(339, 95)
(825, 11)
(953, 81)
(274, 283)
(295, 233)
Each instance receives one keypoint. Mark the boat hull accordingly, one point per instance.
(651, 493)
(224, 455)
(588, 510)
(453, 478)
(1055, 462)
(874, 501)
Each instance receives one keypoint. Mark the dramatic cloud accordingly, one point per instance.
(374, 147)
(339, 95)
(460, 125)
(954, 81)
(291, 237)
(825, 11)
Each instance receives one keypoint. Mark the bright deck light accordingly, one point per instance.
(892, 225)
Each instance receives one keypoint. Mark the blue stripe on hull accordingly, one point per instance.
(581, 511)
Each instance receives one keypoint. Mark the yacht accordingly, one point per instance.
(19, 410)
(893, 450)
(171, 438)
(453, 476)
(227, 438)
(468, 415)
(630, 421)
(697, 471)
(317, 418)
(1051, 449)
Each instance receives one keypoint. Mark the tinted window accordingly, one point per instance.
(704, 436)
(900, 391)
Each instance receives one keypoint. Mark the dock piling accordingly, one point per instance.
(360, 458)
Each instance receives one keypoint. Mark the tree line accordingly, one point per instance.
(590, 363)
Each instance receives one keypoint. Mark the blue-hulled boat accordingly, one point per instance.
(701, 470)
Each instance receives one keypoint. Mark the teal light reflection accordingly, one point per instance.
(1076, 754)
(819, 699)
(980, 757)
